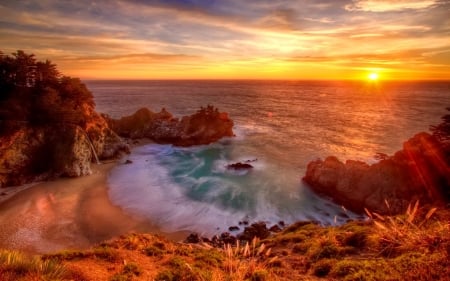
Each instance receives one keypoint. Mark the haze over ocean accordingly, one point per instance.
(282, 124)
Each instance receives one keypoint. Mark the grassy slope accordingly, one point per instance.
(415, 246)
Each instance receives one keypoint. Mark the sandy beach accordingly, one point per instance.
(66, 213)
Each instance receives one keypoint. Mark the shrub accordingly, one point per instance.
(153, 251)
(259, 275)
(300, 248)
(323, 267)
(165, 275)
(132, 268)
(120, 277)
(356, 239)
(209, 257)
(325, 249)
(106, 254)
(345, 267)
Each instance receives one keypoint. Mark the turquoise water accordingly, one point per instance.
(281, 124)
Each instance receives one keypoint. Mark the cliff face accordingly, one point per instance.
(29, 153)
(206, 126)
(420, 171)
(40, 139)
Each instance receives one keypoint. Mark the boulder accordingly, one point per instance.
(205, 126)
(418, 172)
(239, 166)
(233, 228)
(258, 229)
(193, 238)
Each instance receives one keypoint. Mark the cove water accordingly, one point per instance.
(279, 125)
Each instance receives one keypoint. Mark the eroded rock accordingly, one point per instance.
(417, 172)
(37, 152)
(207, 125)
(239, 166)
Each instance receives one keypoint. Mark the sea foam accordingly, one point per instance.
(190, 189)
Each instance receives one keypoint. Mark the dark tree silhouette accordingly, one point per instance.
(46, 73)
(35, 91)
(442, 131)
(24, 69)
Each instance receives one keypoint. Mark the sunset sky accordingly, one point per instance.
(222, 39)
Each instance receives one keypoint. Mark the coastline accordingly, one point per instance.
(67, 213)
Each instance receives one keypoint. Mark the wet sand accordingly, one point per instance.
(67, 213)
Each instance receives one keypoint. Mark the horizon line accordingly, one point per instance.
(267, 79)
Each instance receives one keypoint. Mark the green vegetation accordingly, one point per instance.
(442, 133)
(128, 272)
(413, 246)
(442, 130)
(180, 270)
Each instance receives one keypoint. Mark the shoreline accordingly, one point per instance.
(67, 213)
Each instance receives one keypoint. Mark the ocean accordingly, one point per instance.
(280, 125)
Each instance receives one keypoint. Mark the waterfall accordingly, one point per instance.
(92, 148)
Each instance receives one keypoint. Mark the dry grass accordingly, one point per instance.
(415, 229)
(413, 246)
(252, 261)
(15, 266)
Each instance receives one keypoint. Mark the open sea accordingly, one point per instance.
(282, 125)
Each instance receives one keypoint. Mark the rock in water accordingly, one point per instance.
(239, 166)
(206, 126)
(418, 172)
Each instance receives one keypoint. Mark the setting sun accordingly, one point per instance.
(373, 76)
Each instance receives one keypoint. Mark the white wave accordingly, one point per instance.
(195, 202)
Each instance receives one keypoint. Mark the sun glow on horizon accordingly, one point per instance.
(373, 76)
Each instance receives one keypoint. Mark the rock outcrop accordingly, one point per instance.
(420, 171)
(239, 166)
(64, 143)
(205, 126)
(30, 152)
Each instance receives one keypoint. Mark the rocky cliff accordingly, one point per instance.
(38, 152)
(48, 123)
(420, 171)
(207, 125)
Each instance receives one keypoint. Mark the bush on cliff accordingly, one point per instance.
(35, 92)
(442, 132)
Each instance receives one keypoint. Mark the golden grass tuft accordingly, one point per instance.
(15, 266)
(409, 231)
(252, 261)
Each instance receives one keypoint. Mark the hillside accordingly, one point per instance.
(414, 246)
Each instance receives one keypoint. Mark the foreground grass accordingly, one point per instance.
(415, 246)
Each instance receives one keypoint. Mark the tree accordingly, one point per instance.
(24, 69)
(46, 73)
(37, 91)
(442, 131)
(72, 90)
(18, 70)
(6, 74)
